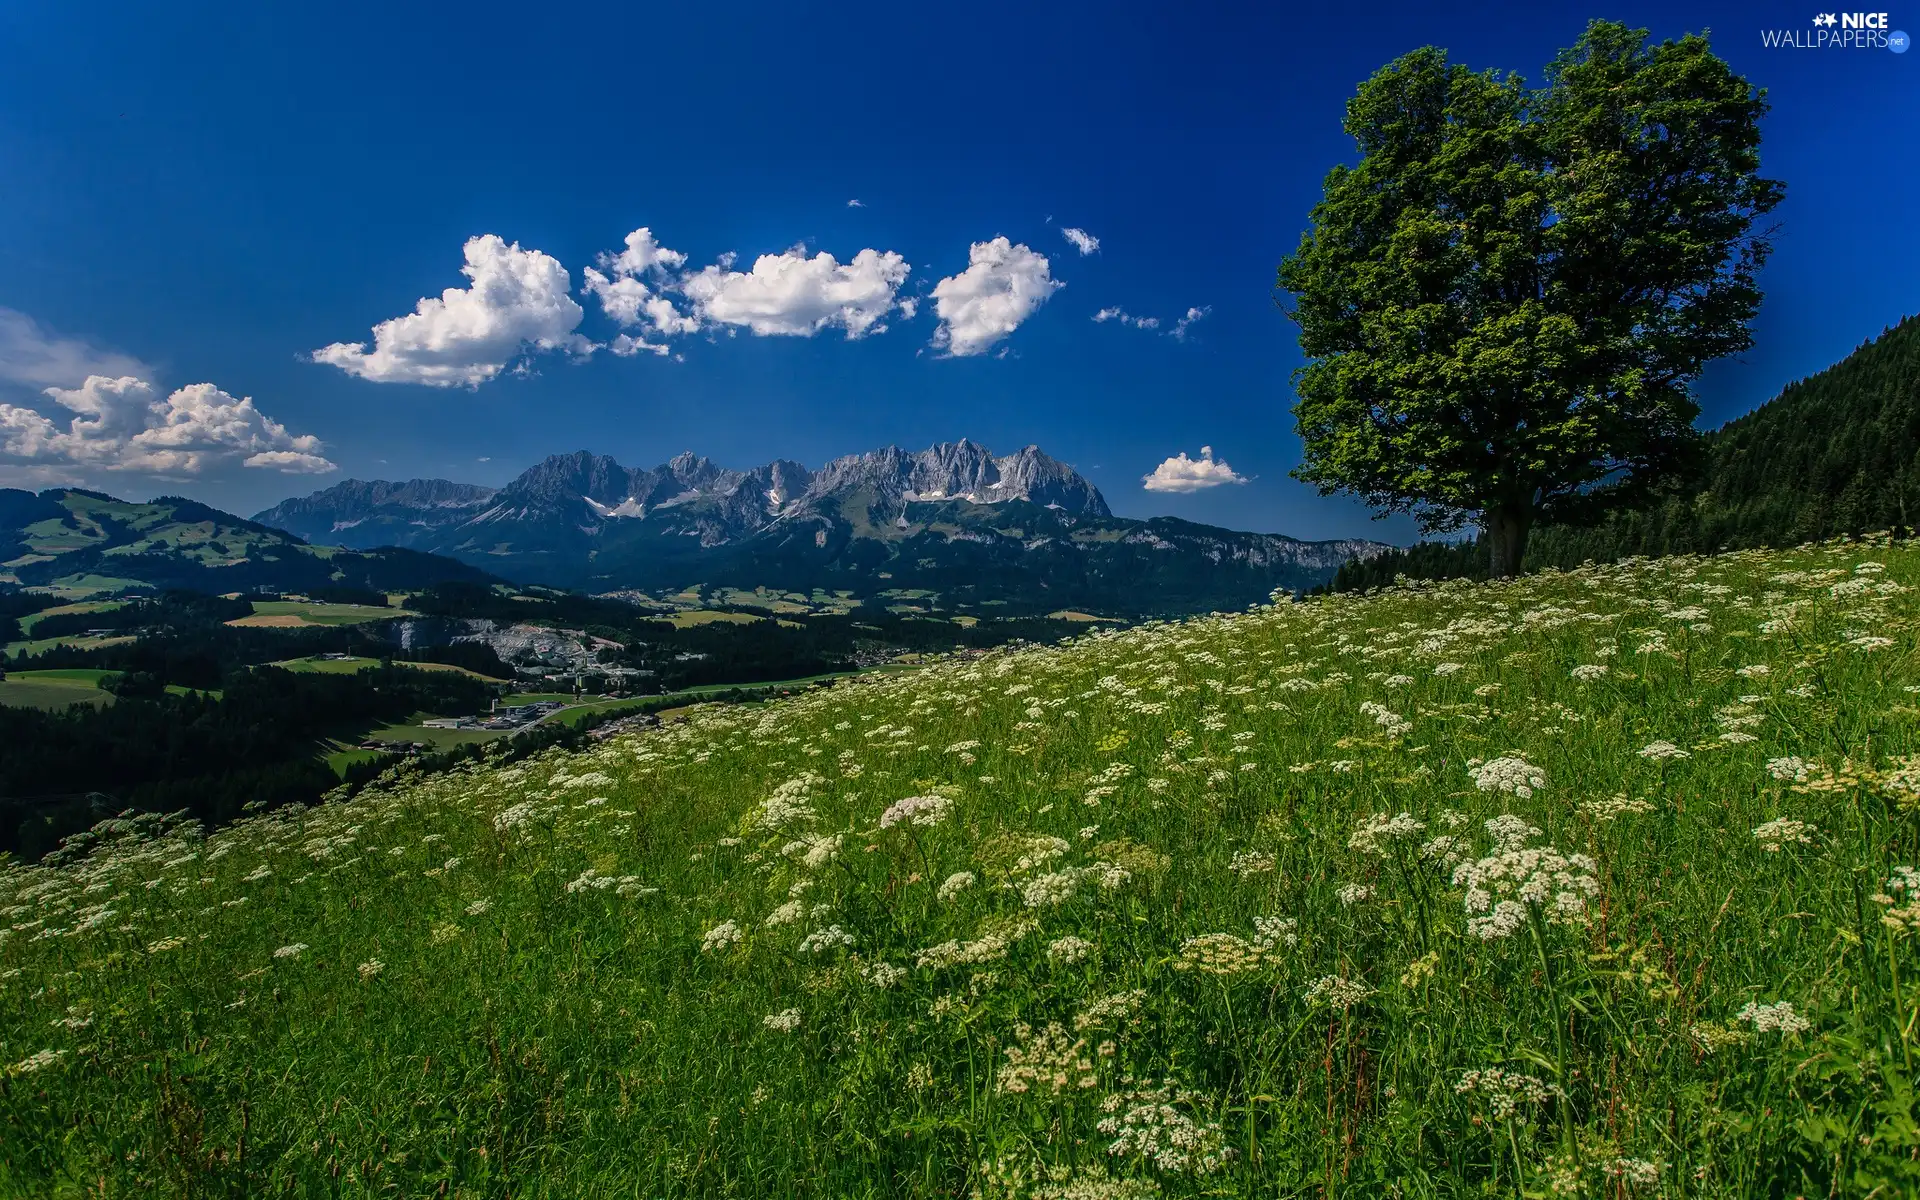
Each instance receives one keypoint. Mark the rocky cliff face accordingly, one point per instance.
(394, 514)
(890, 479)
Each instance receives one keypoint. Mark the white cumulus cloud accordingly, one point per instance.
(122, 424)
(798, 296)
(1125, 318)
(628, 286)
(1002, 286)
(1183, 474)
(1082, 241)
(518, 302)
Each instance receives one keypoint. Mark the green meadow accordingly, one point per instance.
(1600, 883)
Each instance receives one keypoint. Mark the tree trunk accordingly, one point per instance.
(1507, 530)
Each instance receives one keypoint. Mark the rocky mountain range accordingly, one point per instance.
(1022, 530)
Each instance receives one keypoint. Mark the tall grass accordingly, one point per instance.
(1585, 884)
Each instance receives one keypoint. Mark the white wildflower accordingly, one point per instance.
(1069, 949)
(1773, 1018)
(1381, 830)
(822, 940)
(1513, 775)
(1336, 991)
(1777, 835)
(784, 1021)
(916, 810)
(1790, 770)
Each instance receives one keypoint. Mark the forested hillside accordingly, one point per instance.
(1834, 454)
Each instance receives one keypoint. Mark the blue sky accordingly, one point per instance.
(208, 193)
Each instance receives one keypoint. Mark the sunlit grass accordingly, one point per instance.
(1583, 884)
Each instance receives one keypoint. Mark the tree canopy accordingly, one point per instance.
(1505, 301)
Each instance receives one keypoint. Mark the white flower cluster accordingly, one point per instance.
(1391, 723)
(1505, 1091)
(1270, 933)
(1773, 1018)
(1148, 1123)
(293, 951)
(1251, 862)
(1110, 1011)
(1501, 887)
(1219, 954)
(1048, 1061)
(784, 1021)
(787, 807)
(989, 945)
(1659, 751)
(1776, 836)
(1069, 949)
(1058, 887)
(40, 1060)
(727, 933)
(822, 940)
(1380, 830)
(591, 880)
(1793, 769)
(916, 810)
(1336, 991)
(1588, 672)
(954, 884)
(1634, 1172)
(1513, 775)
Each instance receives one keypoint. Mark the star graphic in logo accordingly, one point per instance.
(1827, 19)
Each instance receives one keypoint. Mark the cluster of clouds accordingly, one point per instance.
(1177, 331)
(519, 302)
(120, 421)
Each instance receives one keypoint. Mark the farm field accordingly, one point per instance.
(34, 646)
(52, 689)
(1603, 883)
(357, 664)
(297, 613)
(93, 606)
(59, 688)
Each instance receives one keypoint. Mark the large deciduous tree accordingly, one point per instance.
(1505, 302)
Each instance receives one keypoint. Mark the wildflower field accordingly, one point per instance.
(1600, 883)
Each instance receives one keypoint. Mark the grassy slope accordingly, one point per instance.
(51, 689)
(359, 663)
(694, 962)
(308, 613)
(64, 686)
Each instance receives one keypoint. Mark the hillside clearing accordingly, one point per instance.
(297, 613)
(1601, 883)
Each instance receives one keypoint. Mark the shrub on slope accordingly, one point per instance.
(1596, 883)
